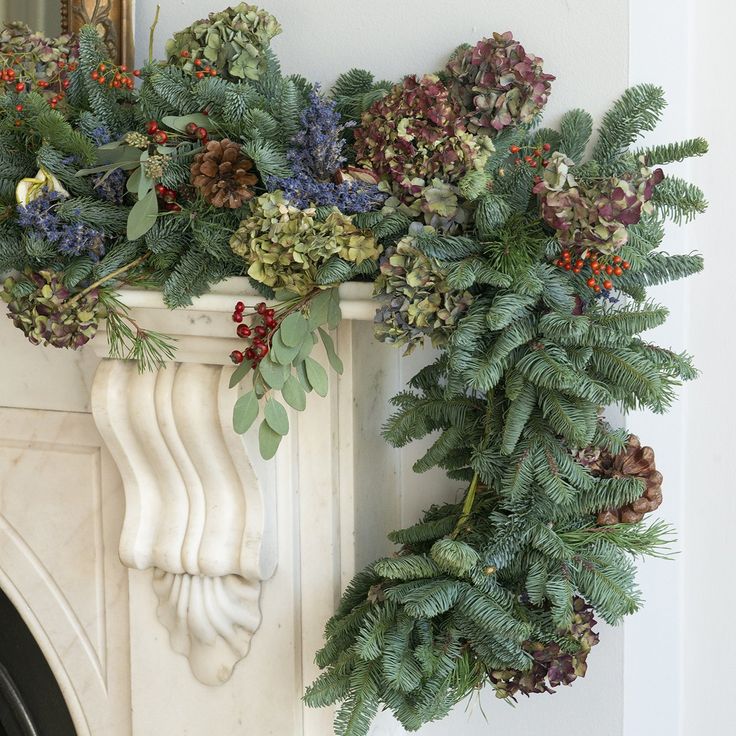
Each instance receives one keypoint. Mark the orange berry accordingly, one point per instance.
(618, 271)
(591, 282)
(617, 259)
(626, 265)
(609, 270)
(607, 284)
(568, 266)
(514, 149)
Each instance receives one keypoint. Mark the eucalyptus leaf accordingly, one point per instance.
(276, 417)
(317, 376)
(319, 308)
(120, 155)
(301, 372)
(272, 373)
(334, 315)
(332, 355)
(293, 329)
(127, 165)
(240, 373)
(245, 412)
(134, 181)
(259, 385)
(268, 441)
(284, 295)
(283, 354)
(294, 394)
(145, 185)
(309, 342)
(142, 216)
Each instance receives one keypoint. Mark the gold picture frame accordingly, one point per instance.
(113, 18)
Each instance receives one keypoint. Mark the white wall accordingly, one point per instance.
(709, 594)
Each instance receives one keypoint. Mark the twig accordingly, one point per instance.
(104, 279)
(152, 34)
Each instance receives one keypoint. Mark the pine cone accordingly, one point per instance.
(634, 462)
(222, 173)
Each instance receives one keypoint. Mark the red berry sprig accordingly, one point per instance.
(535, 156)
(259, 335)
(23, 79)
(601, 270)
(167, 198)
(113, 76)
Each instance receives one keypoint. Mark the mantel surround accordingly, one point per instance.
(200, 504)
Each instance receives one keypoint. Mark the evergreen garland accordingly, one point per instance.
(523, 260)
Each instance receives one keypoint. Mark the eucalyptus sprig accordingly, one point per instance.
(287, 366)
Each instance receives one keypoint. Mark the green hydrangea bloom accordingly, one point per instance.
(233, 41)
(285, 246)
(416, 300)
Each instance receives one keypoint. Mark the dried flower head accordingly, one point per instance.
(594, 213)
(416, 301)
(284, 245)
(44, 316)
(233, 42)
(498, 84)
(417, 133)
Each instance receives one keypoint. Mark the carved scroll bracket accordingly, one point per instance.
(200, 503)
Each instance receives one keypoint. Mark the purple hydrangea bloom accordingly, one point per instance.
(40, 217)
(316, 155)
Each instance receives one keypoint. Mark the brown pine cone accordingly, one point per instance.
(222, 173)
(634, 462)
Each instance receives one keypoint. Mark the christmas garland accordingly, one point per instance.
(523, 259)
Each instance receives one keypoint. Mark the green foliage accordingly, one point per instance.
(637, 111)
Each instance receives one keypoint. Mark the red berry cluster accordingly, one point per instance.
(159, 136)
(54, 86)
(201, 70)
(115, 77)
(196, 131)
(259, 335)
(167, 198)
(600, 265)
(535, 158)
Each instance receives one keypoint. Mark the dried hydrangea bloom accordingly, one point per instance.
(42, 62)
(551, 666)
(233, 42)
(416, 302)
(44, 315)
(498, 84)
(417, 133)
(285, 245)
(594, 213)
